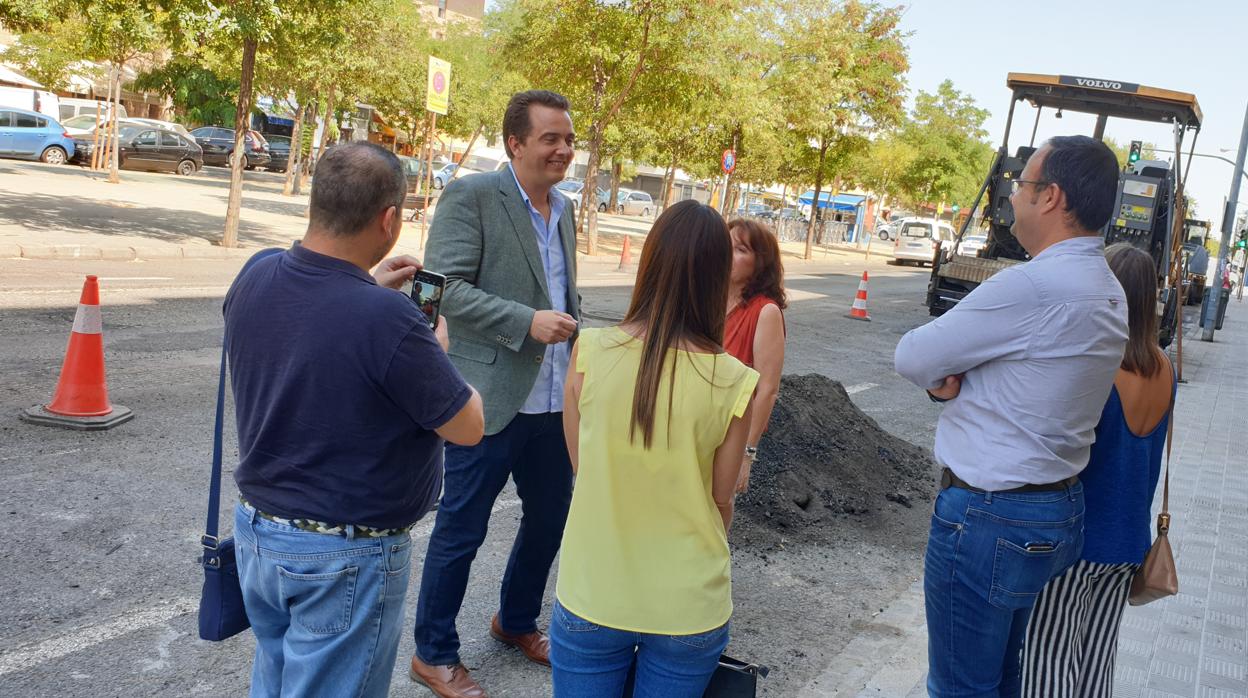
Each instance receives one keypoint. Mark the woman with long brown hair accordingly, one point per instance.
(1073, 635)
(655, 416)
(754, 331)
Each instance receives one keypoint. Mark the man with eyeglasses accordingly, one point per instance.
(1024, 365)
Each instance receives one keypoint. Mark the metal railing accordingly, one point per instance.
(826, 232)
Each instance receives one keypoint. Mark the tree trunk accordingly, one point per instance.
(114, 158)
(589, 193)
(328, 121)
(296, 151)
(814, 203)
(669, 181)
(305, 163)
(101, 125)
(241, 123)
(616, 171)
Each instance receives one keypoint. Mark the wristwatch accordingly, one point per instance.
(752, 452)
(933, 398)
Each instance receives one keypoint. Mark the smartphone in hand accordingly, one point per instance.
(427, 294)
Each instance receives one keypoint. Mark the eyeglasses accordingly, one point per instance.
(1017, 184)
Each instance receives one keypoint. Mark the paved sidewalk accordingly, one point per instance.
(1194, 645)
(69, 213)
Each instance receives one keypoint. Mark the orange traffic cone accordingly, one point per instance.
(859, 309)
(626, 254)
(81, 398)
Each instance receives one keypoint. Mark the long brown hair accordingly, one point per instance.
(680, 294)
(1138, 276)
(768, 278)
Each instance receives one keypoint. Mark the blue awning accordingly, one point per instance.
(844, 202)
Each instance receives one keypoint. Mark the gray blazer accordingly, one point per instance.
(482, 239)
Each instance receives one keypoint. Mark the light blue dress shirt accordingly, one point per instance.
(1039, 344)
(547, 393)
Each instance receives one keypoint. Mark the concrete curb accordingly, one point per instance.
(121, 254)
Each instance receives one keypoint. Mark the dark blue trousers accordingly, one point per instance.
(532, 451)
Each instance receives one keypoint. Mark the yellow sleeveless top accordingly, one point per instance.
(644, 549)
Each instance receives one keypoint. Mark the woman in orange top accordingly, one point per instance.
(754, 332)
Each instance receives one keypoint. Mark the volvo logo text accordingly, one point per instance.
(1102, 84)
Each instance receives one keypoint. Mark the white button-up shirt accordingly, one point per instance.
(1039, 344)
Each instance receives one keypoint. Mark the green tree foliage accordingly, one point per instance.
(949, 155)
(201, 96)
(481, 80)
(840, 78)
(882, 166)
(48, 55)
(33, 15)
(608, 56)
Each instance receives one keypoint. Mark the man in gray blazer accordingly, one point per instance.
(507, 244)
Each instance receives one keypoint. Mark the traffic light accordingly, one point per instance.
(1242, 242)
(1134, 155)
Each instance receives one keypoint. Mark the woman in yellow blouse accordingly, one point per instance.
(656, 416)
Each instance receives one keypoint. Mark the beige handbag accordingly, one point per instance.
(1157, 578)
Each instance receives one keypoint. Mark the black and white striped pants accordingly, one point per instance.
(1073, 634)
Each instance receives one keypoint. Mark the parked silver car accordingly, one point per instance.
(636, 203)
(972, 244)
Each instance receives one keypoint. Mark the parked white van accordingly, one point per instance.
(72, 106)
(484, 160)
(31, 99)
(916, 239)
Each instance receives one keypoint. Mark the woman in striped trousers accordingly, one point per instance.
(1073, 634)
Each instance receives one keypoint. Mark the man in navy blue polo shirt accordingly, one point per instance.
(343, 397)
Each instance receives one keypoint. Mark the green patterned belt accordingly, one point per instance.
(313, 526)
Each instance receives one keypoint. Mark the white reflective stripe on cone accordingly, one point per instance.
(88, 320)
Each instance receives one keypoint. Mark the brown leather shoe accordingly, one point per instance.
(450, 681)
(535, 645)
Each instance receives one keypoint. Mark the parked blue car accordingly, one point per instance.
(33, 136)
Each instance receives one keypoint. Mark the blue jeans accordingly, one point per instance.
(988, 557)
(326, 610)
(593, 661)
(531, 450)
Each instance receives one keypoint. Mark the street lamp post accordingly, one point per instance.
(1209, 312)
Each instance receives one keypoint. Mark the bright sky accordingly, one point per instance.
(1194, 47)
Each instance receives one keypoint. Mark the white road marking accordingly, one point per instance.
(136, 278)
(38, 653)
(796, 294)
(42, 455)
(860, 387)
(57, 647)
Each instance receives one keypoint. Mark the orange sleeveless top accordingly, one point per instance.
(740, 326)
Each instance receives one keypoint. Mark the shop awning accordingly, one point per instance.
(843, 202)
